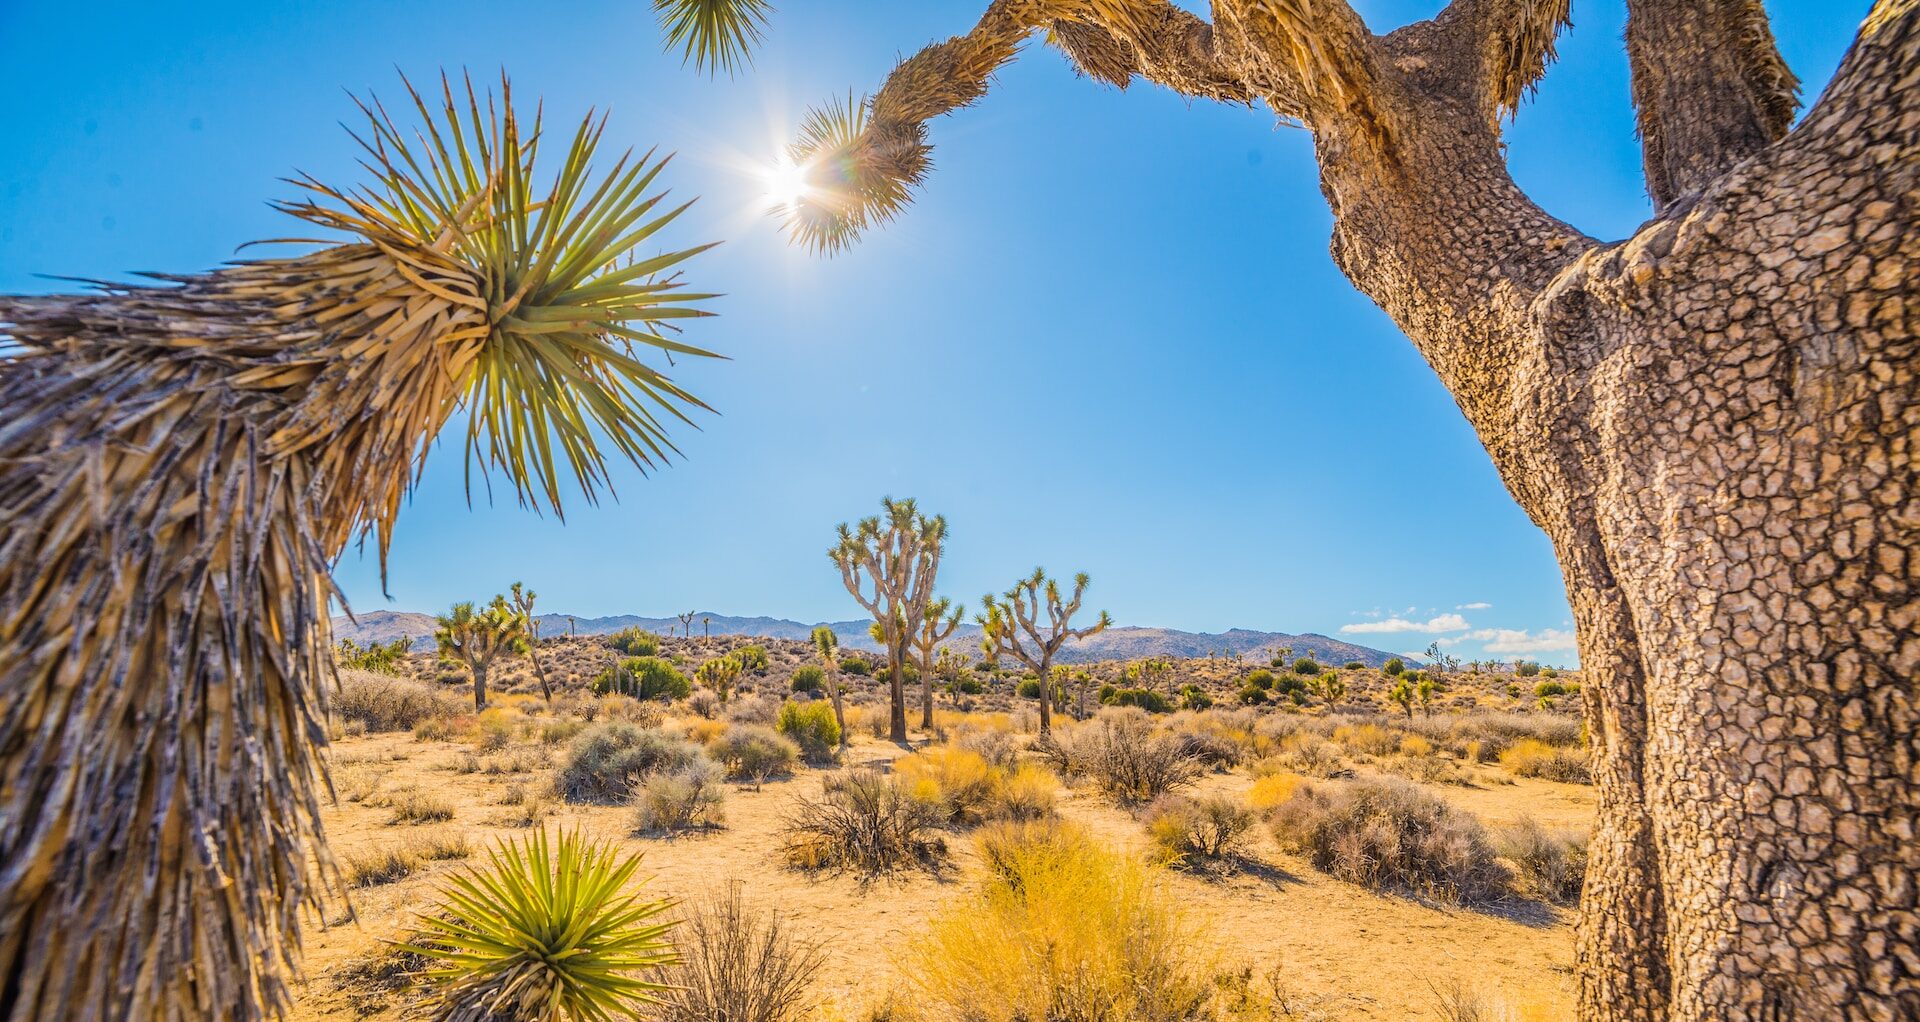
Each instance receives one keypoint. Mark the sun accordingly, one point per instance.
(786, 183)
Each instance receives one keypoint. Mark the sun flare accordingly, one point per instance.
(786, 183)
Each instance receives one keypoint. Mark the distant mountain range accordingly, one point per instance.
(1112, 644)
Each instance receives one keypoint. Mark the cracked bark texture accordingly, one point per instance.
(1713, 420)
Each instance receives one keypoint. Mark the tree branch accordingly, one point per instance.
(1710, 89)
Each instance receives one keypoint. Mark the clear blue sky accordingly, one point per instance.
(1107, 337)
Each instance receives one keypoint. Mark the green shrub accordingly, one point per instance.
(643, 677)
(1389, 834)
(812, 727)
(1306, 665)
(1029, 689)
(1150, 701)
(551, 925)
(753, 753)
(857, 666)
(1253, 696)
(1526, 668)
(1289, 684)
(1354, 665)
(808, 679)
(969, 686)
(635, 641)
(1261, 679)
(752, 659)
(1193, 697)
(1550, 688)
(380, 658)
(607, 760)
(1394, 666)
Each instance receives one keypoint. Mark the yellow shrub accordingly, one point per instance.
(1062, 929)
(1027, 793)
(702, 730)
(1414, 745)
(1271, 790)
(1530, 757)
(959, 780)
(1371, 739)
(494, 728)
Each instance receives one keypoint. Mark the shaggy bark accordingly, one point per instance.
(1713, 420)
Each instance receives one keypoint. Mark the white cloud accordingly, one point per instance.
(1441, 623)
(1519, 640)
(1475, 606)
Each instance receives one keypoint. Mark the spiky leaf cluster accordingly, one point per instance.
(858, 173)
(713, 35)
(544, 932)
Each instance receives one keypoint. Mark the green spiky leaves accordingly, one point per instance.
(569, 299)
(714, 35)
(858, 173)
(544, 932)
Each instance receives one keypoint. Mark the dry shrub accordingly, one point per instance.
(616, 706)
(607, 760)
(559, 732)
(389, 865)
(862, 821)
(1426, 769)
(1306, 754)
(380, 702)
(1367, 739)
(677, 800)
(1484, 736)
(1551, 863)
(1414, 745)
(494, 729)
(440, 846)
(737, 964)
(1123, 754)
(1061, 930)
(756, 709)
(356, 782)
(995, 745)
(1388, 834)
(1209, 749)
(1028, 792)
(704, 703)
(439, 729)
(753, 753)
(530, 809)
(372, 981)
(1530, 757)
(1196, 831)
(704, 731)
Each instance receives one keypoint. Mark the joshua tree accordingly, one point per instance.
(1712, 420)
(706, 627)
(1013, 624)
(937, 622)
(1149, 673)
(827, 645)
(897, 557)
(1401, 694)
(523, 602)
(181, 464)
(719, 674)
(477, 638)
(1331, 687)
(686, 624)
(1426, 690)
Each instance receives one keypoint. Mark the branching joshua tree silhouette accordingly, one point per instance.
(1713, 421)
(686, 624)
(477, 638)
(896, 556)
(523, 602)
(937, 622)
(1014, 625)
(182, 462)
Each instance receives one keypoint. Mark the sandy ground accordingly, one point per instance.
(1357, 954)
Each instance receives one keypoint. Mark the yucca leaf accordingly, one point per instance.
(713, 34)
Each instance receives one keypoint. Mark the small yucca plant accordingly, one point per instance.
(544, 932)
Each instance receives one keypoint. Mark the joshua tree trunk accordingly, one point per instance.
(479, 687)
(1713, 420)
(897, 692)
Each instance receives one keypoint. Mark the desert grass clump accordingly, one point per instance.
(416, 807)
(1124, 755)
(1271, 789)
(440, 846)
(544, 931)
(671, 801)
(381, 702)
(1551, 864)
(441, 729)
(494, 729)
(386, 866)
(863, 821)
(1389, 835)
(607, 760)
(1062, 930)
(737, 964)
(1196, 832)
(754, 754)
(1531, 757)
(812, 727)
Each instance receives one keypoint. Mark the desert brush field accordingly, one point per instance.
(1265, 857)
